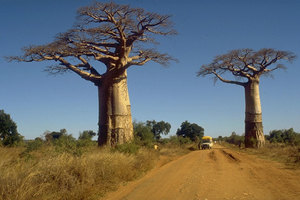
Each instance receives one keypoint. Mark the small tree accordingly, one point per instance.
(276, 136)
(247, 66)
(116, 36)
(9, 135)
(54, 135)
(143, 133)
(159, 128)
(86, 135)
(191, 131)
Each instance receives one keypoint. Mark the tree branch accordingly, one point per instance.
(245, 63)
(228, 81)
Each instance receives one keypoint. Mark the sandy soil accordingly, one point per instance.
(214, 174)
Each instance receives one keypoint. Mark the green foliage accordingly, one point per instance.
(128, 148)
(30, 147)
(143, 134)
(287, 136)
(85, 143)
(180, 140)
(159, 128)
(51, 136)
(233, 139)
(67, 144)
(34, 145)
(9, 135)
(191, 131)
(86, 135)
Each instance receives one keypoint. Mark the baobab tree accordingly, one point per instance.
(247, 66)
(117, 37)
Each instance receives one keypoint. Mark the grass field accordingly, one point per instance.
(287, 154)
(70, 170)
(50, 173)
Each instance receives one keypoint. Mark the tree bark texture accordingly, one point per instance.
(254, 135)
(115, 121)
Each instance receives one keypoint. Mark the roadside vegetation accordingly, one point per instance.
(58, 166)
(281, 146)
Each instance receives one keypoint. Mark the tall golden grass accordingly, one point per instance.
(284, 153)
(46, 174)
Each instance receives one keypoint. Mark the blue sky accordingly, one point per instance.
(38, 102)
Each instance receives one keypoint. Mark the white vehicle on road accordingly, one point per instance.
(206, 143)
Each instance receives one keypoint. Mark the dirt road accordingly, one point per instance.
(214, 175)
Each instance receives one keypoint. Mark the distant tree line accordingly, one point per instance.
(145, 134)
(152, 131)
(284, 136)
(287, 136)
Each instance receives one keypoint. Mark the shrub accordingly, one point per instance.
(143, 134)
(287, 136)
(86, 135)
(236, 139)
(128, 148)
(34, 145)
(179, 140)
(67, 144)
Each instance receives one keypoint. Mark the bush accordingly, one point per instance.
(34, 145)
(67, 144)
(179, 140)
(86, 135)
(235, 139)
(128, 148)
(143, 134)
(287, 136)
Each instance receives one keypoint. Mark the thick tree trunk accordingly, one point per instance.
(254, 135)
(115, 122)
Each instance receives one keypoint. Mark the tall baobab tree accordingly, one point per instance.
(247, 66)
(116, 36)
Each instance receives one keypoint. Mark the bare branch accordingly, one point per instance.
(104, 32)
(246, 63)
(228, 81)
(145, 56)
(206, 70)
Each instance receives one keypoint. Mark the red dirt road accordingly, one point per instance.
(215, 174)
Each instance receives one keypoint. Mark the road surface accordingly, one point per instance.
(214, 174)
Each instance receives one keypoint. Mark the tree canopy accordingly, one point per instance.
(115, 35)
(143, 133)
(245, 64)
(9, 135)
(87, 135)
(54, 135)
(159, 128)
(192, 131)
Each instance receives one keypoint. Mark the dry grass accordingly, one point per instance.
(50, 173)
(287, 154)
(46, 174)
